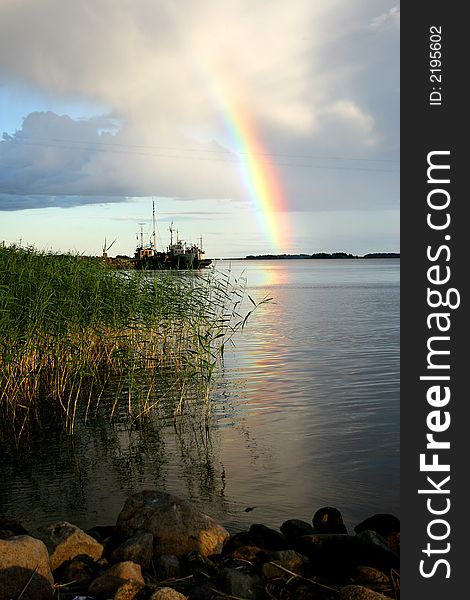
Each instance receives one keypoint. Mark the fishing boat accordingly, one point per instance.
(178, 255)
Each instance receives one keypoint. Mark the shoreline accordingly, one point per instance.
(163, 548)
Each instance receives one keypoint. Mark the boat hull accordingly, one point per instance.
(165, 261)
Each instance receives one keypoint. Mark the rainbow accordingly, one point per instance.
(258, 171)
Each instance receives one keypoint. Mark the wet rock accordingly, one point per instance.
(108, 583)
(382, 523)
(167, 566)
(105, 586)
(393, 541)
(65, 541)
(259, 536)
(138, 549)
(268, 538)
(243, 585)
(252, 554)
(336, 555)
(195, 564)
(271, 571)
(176, 525)
(22, 559)
(201, 591)
(375, 551)
(294, 528)
(167, 593)
(358, 592)
(288, 559)
(330, 551)
(328, 520)
(78, 572)
(239, 540)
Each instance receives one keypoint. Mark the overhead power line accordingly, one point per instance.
(221, 155)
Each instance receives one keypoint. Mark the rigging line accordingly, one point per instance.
(232, 159)
(209, 150)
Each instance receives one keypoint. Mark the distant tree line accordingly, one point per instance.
(333, 255)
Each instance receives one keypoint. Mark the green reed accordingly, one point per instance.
(72, 329)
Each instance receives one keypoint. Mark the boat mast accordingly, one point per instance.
(171, 234)
(153, 222)
(141, 234)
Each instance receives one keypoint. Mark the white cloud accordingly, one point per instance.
(391, 18)
(350, 115)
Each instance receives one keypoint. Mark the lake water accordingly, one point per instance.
(306, 414)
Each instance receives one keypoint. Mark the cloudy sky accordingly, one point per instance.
(264, 126)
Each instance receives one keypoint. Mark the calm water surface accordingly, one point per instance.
(306, 414)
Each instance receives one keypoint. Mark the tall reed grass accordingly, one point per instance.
(72, 329)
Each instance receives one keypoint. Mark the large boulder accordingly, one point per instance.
(176, 525)
(65, 541)
(24, 562)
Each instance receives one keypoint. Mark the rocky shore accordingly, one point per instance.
(163, 548)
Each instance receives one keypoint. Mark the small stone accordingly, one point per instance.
(269, 538)
(381, 523)
(105, 586)
(108, 583)
(270, 571)
(138, 549)
(251, 554)
(358, 592)
(201, 591)
(376, 552)
(328, 520)
(289, 559)
(331, 554)
(130, 590)
(80, 571)
(127, 570)
(167, 593)
(65, 541)
(369, 575)
(196, 564)
(260, 536)
(393, 541)
(243, 585)
(294, 528)
(167, 566)
(22, 557)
